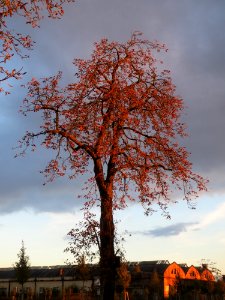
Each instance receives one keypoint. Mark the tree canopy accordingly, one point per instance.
(122, 115)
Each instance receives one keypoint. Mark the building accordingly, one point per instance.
(47, 282)
(159, 278)
(168, 278)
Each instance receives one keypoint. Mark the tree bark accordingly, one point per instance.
(107, 254)
(22, 295)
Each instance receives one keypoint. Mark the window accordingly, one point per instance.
(41, 290)
(192, 274)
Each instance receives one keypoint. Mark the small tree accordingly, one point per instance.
(137, 269)
(83, 270)
(220, 288)
(84, 238)
(120, 117)
(155, 285)
(124, 278)
(22, 267)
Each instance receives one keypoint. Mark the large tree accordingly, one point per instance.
(120, 118)
(12, 42)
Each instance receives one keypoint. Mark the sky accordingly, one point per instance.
(41, 215)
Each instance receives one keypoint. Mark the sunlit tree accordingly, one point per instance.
(121, 119)
(14, 43)
(137, 269)
(124, 278)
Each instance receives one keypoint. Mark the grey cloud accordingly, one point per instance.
(170, 230)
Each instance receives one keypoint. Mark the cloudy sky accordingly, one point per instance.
(42, 215)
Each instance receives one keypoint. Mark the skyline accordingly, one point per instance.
(194, 36)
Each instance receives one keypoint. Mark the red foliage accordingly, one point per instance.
(122, 114)
(14, 43)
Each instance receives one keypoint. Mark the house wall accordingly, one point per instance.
(207, 275)
(174, 273)
(171, 274)
(42, 286)
(193, 273)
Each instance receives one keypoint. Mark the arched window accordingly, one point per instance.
(174, 271)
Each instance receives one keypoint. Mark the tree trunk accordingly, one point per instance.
(22, 295)
(107, 255)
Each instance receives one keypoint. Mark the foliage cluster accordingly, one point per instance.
(14, 43)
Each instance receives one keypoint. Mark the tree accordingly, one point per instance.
(155, 285)
(124, 278)
(220, 288)
(121, 118)
(83, 270)
(137, 269)
(84, 238)
(22, 267)
(15, 43)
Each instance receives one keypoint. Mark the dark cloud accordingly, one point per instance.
(170, 230)
(193, 32)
